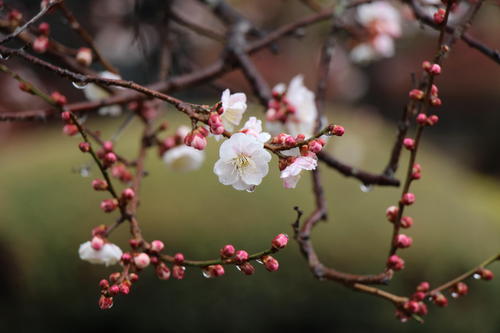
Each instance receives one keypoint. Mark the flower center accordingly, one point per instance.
(241, 162)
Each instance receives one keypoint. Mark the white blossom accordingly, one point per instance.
(383, 23)
(253, 127)
(233, 106)
(291, 174)
(183, 158)
(95, 93)
(243, 162)
(108, 255)
(302, 99)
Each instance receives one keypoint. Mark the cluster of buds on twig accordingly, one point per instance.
(197, 138)
(279, 108)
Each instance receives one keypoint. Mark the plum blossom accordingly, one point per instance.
(108, 255)
(233, 106)
(243, 162)
(94, 93)
(291, 174)
(383, 23)
(253, 127)
(183, 158)
(302, 100)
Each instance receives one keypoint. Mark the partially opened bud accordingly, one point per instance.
(280, 241)
(141, 260)
(178, 272)
(157, 245)
(162, 271)
(105, 302)
(84, 56)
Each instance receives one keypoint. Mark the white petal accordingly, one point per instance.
(183, 158)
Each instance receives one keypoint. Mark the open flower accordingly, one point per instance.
(183, 158)
(108, 255)
(291, 174)
(253, 127)
(383, 23)
(243, 162)
(302, 101)
(233, 106)
(94, 93)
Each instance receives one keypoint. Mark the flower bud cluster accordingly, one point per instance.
(197, 138)
(279, 108)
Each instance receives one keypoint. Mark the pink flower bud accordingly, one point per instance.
(162, 271)
(199, 142)
(290, 141)
(241, 256)
(141, 260)
(227, 251)
(406, 222)
(84, 56)
(110, 158)
(26, 87)
(247, 268)
(436, 101)
(435, 69)
(113, 277)
(336, 130)
(107, 146)
(439, 16)
(416, 94)
(66, 116)
(100, 230)
(133, 277)
(218, 130)
(214, 120)
(392, 213)
(270, 263)
(423, 286)
(434, 90)
(202, 131)
(84, 147)
(41, 44)
(109, 205)
(418, 296)
(44, 28)
(411, 306)
(315, 146)
(440, 300)
(461, 289)
(422, 118)
(280, 241)
(432, 120)
(124, 289)
(395, 262)
(426, 65)
(215, 270)
(126, 258)
(99, 185)
(154, 260)
(423, 309)
(70, 129)
(105, 302)
(485, 274)
(409, 143)
(128, 194)
(97, 243)
(134, 243)
(403, 241)
(104, 284)
(157, 245)
(114, 289)
(408, 198)
(179, 258)
(178, 272)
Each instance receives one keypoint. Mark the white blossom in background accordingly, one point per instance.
(253, 127)
(108, 255)
(233, 106)
(291, 174)
(243, 162)
(183, 158)
(302, 99)
(383, 23)
(94, 93)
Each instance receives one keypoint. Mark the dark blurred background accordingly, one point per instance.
(48, 208)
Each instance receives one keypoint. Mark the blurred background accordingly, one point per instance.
(48, 207)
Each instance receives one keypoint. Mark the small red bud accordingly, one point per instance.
(109, 205)
(408, 199)
(392, 213)
(440, 300)
(97, 243)
(247, 268)
(157, 245)
(406, 222)
(439, 16)
(486, 274)
(426, 65)
(70, 129)
(179, 258)
(418, 296)
(113, 277)
(435, 69)
(133, 277)
(84, 147)
(66, 116)
(104, 284)
(432, 120)
(124, 289)
(142, 260)
(215, 270)
(416, 94)
(423, 286)
(99, 185)
(241, 256)
(110, 158)
(178, 272)
(84, 56)
(280, 241)
(105, 302)
(114, 289)
(461, 289)
(270, 263)
(436, 101)
(128, 194)
(403, 241)
(41, 44)
(409, 143)
(336, 130)
(126, 257)
(395, 262)
(58, 98)
(162, 271)
(422, 118)
(44, 28)
(411, 306)
(107, 146)
(227, 251)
